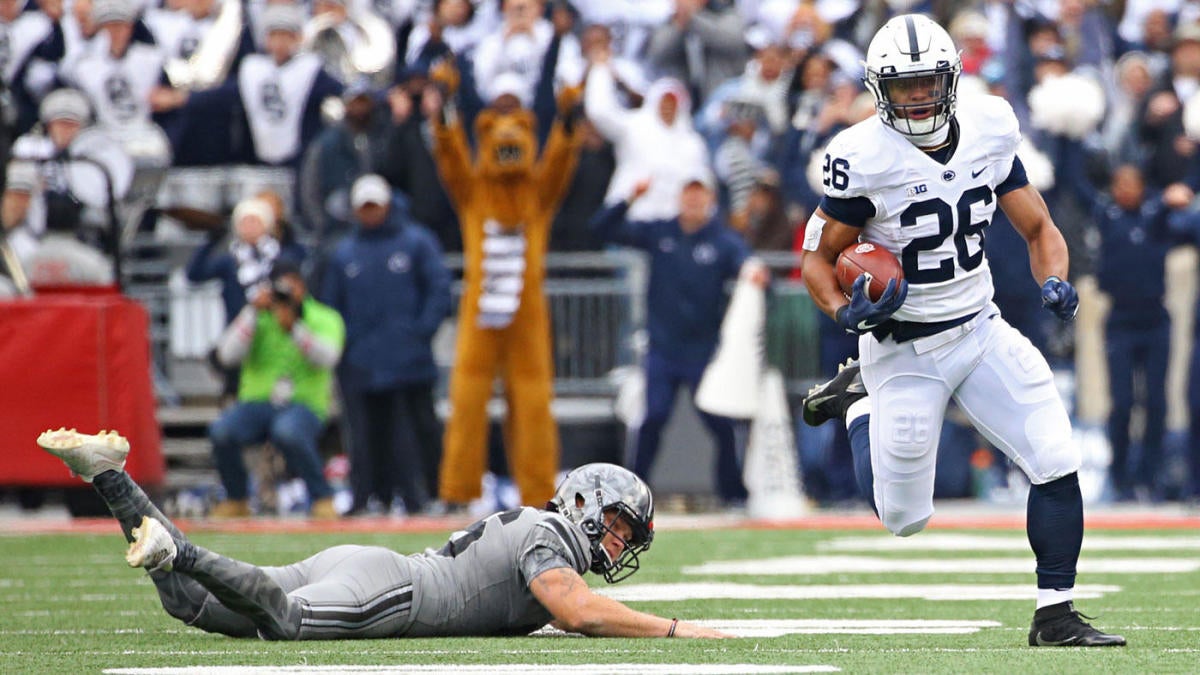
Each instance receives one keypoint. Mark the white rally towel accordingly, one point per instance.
(771, 471)
(730, 385)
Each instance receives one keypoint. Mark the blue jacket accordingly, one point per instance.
(392, 288)
(686, 296)
(214, 261)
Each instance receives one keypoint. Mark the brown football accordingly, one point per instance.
(866, 258)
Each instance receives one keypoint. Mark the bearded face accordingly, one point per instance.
(507, 144)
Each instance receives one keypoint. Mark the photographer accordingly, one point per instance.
(287, 344)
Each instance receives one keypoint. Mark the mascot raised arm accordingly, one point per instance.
(506, 197)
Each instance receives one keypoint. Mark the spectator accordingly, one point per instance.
(766, 225)
(27, 36)
(280, 92)
(701, 45)
(1134, 233)
(741, 156)
(1168, 150)
(657, 140)
(287, 344)
(571, 230)
(242, 266)
(518, 46)
(692, 257)
(119, 79)
(72, 174)
(58, 257)
(408, 158)
(454, 27)
(392, 288)
(339, 155)
(764, 83)
(629, 75)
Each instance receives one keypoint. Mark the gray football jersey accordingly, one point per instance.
(478, 583)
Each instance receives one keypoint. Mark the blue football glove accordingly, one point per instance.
(862, 315)
(1060, 297)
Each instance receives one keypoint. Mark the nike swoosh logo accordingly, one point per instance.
(1052, 643)
(814, 402)
(975, 174)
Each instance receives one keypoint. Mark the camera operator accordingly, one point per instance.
(287, 344)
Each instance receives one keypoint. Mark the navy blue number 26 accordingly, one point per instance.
(944, 271)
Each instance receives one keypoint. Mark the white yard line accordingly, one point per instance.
(517, 668)
(934, 541)
(832, 564)
(734, 591)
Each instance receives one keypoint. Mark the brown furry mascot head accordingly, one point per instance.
(507, 143)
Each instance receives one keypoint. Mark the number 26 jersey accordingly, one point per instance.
(932, 216)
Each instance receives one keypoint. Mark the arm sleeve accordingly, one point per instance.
(1016, 178)
(552, 544)
(321, 349)
(853, 211)
(601, 105)
(203, 265)
(235, 342)
(611, 225)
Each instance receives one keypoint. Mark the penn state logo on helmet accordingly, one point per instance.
(590, 496)
(912, 69)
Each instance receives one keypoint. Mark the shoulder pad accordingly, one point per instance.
(858, 160)
(995, 122)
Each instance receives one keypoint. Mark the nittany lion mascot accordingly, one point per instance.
(506, 199)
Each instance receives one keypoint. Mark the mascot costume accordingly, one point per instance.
(506, 200)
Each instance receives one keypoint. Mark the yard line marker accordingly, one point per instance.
(736, 591)
(979, 542)
(807, 565)
(519, 668)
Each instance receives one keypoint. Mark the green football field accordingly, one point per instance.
(850, 600)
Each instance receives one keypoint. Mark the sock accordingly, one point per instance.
(128, 503)
(1054, 523)
(1054, 596)
(859, 430)
(243, 588)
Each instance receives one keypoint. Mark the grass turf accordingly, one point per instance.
(68, 604)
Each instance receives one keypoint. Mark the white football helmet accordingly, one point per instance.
(912, 54)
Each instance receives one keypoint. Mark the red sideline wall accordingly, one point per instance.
(79, 361)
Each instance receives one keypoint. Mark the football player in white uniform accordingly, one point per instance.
(923, 178)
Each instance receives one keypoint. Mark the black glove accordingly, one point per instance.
(862, 315)
(1060, 297)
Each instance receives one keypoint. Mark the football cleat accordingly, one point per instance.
(86, 455)
(830, 400)
(1060, 625)
(152, 547)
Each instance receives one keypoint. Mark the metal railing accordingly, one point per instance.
(597, 311)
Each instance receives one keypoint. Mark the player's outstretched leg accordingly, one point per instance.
(1054, 522)
(845, 398)
(100, 460)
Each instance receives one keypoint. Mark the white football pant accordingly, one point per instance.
(998, 378)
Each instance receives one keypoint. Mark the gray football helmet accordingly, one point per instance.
(590, 491)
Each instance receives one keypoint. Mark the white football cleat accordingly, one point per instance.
(152, 547)
(86, 455)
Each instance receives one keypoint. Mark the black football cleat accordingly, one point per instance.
(830, 400)
(1061, 625)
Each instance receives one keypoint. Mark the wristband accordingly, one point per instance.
(674, 624)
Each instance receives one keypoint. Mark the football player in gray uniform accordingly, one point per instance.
(508, 574)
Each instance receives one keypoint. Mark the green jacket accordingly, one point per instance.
(275, 354)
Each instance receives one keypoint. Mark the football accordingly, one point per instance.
(871, 259)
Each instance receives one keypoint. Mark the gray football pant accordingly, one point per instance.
(339, 593)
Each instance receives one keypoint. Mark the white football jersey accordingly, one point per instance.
(932, 216)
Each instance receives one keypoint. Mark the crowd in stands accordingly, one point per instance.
(333, 91)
